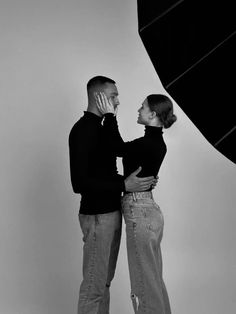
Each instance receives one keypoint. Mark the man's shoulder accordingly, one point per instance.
(83, 128)
(80, 123)
(76, 127)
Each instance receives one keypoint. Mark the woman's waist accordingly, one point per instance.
(138, 200)
(139, 204)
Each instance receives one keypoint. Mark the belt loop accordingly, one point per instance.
(134, 197)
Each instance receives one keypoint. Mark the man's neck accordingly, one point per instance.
(94, 110)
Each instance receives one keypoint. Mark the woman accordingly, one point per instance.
(143, 217)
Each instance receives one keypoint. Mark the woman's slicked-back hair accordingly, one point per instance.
(163, 107)
(99, 80)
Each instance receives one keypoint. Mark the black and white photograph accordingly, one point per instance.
(118, 157)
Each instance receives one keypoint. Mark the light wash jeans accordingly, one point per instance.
(144, 230)
(101, 236)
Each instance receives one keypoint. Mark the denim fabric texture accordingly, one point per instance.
(144, 230)
(101, 237)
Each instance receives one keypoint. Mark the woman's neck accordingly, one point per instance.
(155, 123)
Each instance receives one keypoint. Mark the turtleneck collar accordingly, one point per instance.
(153, 131)
(93, 116)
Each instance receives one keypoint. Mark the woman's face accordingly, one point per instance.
(145, 113)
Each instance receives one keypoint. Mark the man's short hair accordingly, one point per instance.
(99, 80)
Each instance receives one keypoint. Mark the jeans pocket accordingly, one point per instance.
(154, 220)
(154, 226)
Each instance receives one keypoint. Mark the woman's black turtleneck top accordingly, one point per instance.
(147, 151)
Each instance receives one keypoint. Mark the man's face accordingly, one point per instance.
(111, 92)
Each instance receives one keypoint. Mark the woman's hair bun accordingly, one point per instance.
(170, 119)
(163, 107)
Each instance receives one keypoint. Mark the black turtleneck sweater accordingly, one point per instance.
(93, 167)
(147, 151)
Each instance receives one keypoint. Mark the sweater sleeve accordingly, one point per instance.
(82, 180)
(113, 135)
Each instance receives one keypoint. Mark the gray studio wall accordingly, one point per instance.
(49, 49)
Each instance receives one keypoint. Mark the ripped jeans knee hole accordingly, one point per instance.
(135, 301)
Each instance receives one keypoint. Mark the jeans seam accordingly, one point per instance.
(90, 270)
(139, 268)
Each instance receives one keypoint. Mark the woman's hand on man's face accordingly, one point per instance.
(104, 104)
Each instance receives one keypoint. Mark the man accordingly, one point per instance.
(94, 175)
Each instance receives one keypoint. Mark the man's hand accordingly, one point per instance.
(136, 184)
(155, 182)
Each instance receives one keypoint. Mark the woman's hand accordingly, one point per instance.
(104, 104)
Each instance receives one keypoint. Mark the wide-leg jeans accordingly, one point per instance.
(101, 237)
(144, 230)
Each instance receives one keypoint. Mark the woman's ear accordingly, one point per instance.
(153, 115)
